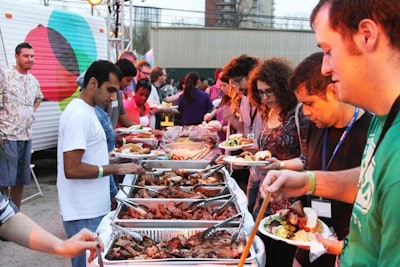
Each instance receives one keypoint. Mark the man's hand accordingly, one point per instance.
(129, 168)
(284, 184)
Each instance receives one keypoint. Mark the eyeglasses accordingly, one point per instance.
(144, 72)
(267, 92)
(237, 81)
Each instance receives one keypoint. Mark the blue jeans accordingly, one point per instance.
(73, 227)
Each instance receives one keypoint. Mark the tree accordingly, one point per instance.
(141, 37)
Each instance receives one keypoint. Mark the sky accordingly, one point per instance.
(288, 8)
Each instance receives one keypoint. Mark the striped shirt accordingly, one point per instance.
(7, 208)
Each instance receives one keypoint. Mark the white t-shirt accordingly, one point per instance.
(153, 100)
(80, 128)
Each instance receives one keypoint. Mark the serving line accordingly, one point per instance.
(105, 230)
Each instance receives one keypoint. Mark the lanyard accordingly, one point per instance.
(252, 117)
(340, 142)
(389, 120)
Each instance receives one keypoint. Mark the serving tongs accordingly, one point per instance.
(226, 203)
(207, 171)
(204, 202)
(140, 208)
(197, 187)
(211, 230)
(138, 237)
(197, 155)
(151, 191)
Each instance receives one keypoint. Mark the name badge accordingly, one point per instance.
(250, 135)
(322, 207)
(114, 103)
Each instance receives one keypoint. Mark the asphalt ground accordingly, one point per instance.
(43, 210)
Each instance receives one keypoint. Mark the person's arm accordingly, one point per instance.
(233, 121)
(74, 168)
(327, 184)
(210, 115)
(291, 164)
(25, 232)
(125, 121)
(36, 104)
(172, 98)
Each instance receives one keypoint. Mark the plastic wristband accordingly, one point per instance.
(311, 183)
(100, 171)
(281, 165)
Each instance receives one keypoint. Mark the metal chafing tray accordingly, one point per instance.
(171, 223)
(165, 234)
(180, 164)
(204, 191)
(138, 180)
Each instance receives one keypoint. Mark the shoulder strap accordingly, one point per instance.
(297, 121)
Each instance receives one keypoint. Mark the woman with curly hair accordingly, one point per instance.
(268, 90)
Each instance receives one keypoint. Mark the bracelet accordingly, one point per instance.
(281, 165)
(311, 183)
(101, 170)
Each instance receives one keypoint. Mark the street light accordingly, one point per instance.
(94, 3)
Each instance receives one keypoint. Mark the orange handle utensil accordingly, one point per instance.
(254, 230)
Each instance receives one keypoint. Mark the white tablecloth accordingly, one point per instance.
(105, 230)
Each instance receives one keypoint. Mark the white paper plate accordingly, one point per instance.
(325, 233)
(235, 160)
(133, 155)
(233, 148)
(132, 130)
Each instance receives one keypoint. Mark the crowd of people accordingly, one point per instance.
(330, 124)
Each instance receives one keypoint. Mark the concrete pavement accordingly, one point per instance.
(43, 210)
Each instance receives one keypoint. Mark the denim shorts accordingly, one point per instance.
(73, 227)
(15, 160)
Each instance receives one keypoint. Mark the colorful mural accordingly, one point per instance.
(63, 49)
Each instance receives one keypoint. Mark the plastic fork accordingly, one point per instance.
(211, 230)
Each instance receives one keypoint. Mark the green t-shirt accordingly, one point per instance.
(373, 239)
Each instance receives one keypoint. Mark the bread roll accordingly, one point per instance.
(263, 155)
(145, 135)
(312, 219)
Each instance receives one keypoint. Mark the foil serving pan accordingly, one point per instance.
(180, 164)
(170, 222)
(165, 234)
(157, 180)
(206, 191)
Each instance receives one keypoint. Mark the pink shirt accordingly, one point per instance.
(133, 111)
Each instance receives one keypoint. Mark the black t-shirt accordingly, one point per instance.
(348, 156)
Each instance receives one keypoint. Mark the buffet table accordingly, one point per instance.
(105, 232)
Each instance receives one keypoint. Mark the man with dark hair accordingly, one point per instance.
(361, 45)
(335, 141)
(249, 120)
(242, 116)
(128, 91)
(21, 97)
(83, 164)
